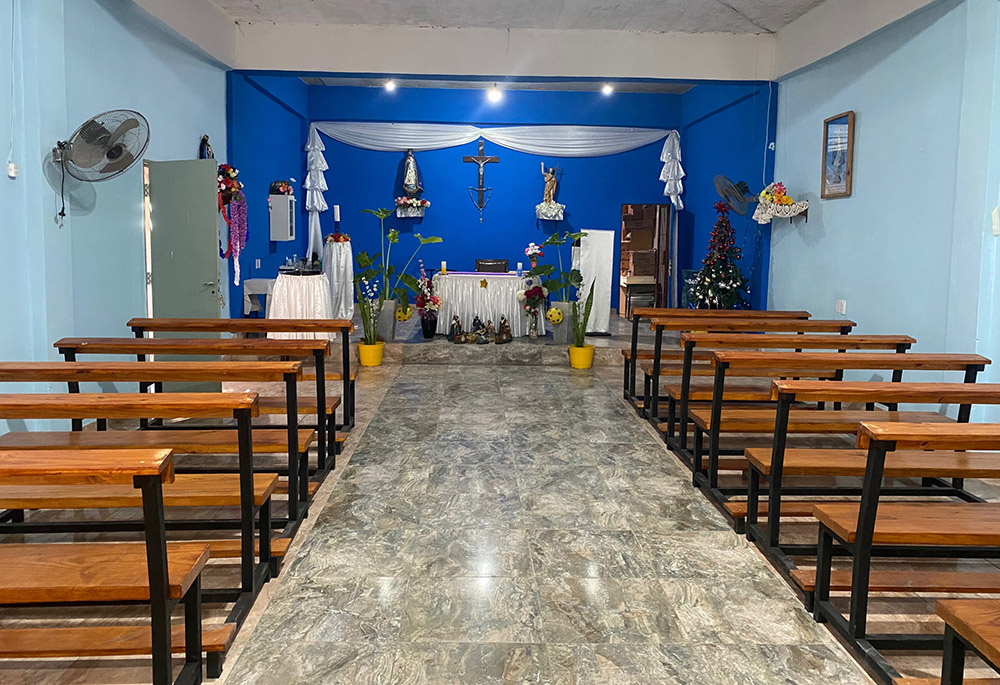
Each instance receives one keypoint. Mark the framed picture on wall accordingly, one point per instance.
(838, 155)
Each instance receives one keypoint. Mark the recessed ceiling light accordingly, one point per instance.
(494, 94)
(607, 89)
(390, 85)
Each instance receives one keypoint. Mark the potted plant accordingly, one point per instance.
(581, 355)
(379, 267)
(370, 301)
(561, 284)
(532, 299)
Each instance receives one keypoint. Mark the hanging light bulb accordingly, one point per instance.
(494, 94)
(390, 86)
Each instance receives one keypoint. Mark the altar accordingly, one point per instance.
(465, 294)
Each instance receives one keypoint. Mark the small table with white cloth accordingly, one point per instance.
(298, 296)
(462, 293)
(253, 289)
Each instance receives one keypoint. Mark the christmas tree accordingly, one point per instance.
(720, 283)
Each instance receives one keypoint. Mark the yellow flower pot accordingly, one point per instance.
(371, 355)
(581, 357)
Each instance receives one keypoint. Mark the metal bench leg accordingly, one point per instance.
(192, 631)
(953, 666)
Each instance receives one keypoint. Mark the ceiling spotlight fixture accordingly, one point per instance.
(607, 89)
(390, 85)
(494, 94)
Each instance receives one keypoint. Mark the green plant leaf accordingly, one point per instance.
(429, 239)
(381, 213)
(364, 261)
(542, 270)
(410, 282)
(393, 236)
(574, 278)
(554, 239)
(573, 237)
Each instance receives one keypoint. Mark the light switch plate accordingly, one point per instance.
(12, 170)
(256, 264)
(841, 307)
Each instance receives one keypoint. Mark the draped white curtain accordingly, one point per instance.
(550, 141)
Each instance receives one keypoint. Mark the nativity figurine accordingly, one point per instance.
(455, 333)
(491, 332)
(503, 335)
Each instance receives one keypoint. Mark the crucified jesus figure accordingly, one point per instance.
(550, 184)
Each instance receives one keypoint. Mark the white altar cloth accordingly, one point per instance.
(463, 294)
(338, 265)
(301, 297)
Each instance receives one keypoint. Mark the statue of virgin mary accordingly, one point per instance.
(412, 183)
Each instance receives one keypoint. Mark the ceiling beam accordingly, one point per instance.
(515, 52)
(833, 26)
(199, 22)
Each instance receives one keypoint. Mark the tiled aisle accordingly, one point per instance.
(519, 524)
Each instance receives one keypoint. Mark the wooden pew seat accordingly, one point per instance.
(906, 581)
(789, 508)
(187, 490)
(704, 391)
(92, 571)
(276, 404)
(900, 464)
(677, 369)
(807, 420)
(231, 549)
(311, 376)
(919, 523)
(94, 641)
(977, 621)
(211, 441)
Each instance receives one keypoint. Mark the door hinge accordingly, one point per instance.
(149, 278)
(145, 190)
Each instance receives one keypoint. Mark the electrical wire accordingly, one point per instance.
(13, 76)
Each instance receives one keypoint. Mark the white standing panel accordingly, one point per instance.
(596, 264)
(282, 215)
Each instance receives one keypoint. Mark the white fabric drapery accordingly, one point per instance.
(672, 172)
(549, 141)
(338, 265)
(594, 258)
(463, 294)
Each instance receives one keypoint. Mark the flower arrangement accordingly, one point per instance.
(532, 298)
(281, 188)
(413, 202)
(774, 201)
(338, 237)
(557, 281)
(533, 250)
(228, 183)
(428, 304)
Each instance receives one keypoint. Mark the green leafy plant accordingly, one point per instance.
(375, 274)
(560, 281)
(580, 322)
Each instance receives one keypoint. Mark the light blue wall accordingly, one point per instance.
(904, 249)
(73, 59)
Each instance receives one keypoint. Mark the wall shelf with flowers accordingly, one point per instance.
(774, 202)
(411, 207)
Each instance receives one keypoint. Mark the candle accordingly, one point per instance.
(336, 212)
(520, 267)
(444, 267)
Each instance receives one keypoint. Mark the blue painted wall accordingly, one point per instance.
(726, 129)
(268, 129)
(905, 249)
(721, 118)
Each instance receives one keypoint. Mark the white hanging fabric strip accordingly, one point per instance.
(548, 141)
(672, 171)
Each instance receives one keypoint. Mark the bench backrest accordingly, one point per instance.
(242, 325)
(750, 325)
(86, 467)
(203, 346)
(887, 393)
(797, 342)
(127, 405)
(659, 312)
(836, 361)
(931, 436)
(147, 372)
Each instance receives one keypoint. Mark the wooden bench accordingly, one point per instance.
(70, 348)
(633, 353)
(718, 419)
(871, 527)
(344, 327)
(681, 393)
(904, 465)
(970, 624)
(154, 572)
(241, 406)
(148, 373)
(732, 324)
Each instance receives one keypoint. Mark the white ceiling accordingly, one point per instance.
(685, 16)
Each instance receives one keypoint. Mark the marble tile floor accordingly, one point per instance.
(520, 525)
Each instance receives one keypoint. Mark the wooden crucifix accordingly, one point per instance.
(481, 195)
